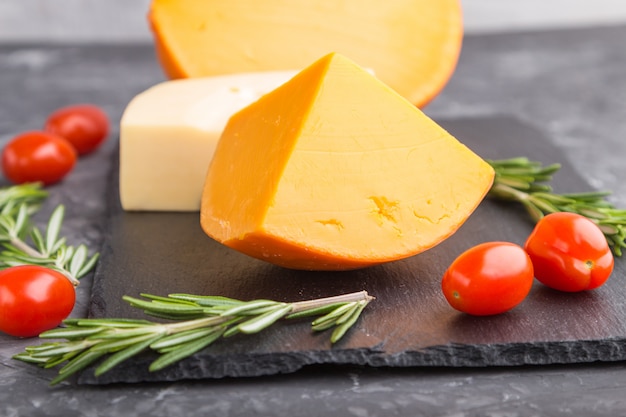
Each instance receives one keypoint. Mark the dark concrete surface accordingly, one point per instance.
(570, 84)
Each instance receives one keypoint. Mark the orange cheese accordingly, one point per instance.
(335, 170)
(412, 45)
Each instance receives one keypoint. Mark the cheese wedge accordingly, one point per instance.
(335, 170)
(169, 132)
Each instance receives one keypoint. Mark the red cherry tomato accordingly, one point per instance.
(85, 126)
(488, 279)
(33, 299)
(37, 157)
(569, 252)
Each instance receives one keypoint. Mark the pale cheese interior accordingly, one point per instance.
(169, 132)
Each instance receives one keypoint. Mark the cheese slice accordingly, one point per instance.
(335, 170)
(169, 132)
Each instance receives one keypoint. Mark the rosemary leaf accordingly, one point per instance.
(59, 246)
(179, 338)
(53, 363)
(71, 333)
(185, 350)
(588, 196)
(169, 299)
(163, 307)
(341, 330)
(231, 331)
(252, 312)
(247, 307)
(207, 300)
(37, 239)
(175, 316)
(517, 183)
(120, 323)
(77, 364)
(121, 343)
(543, 205)
(592, 213)
(59, 349)
(21, 220)
(124, 354)
(18, 259)
(77, 260)
(315, 311)
(54, 227)
(609, 230)
(264, 320)
(41, 347)
(323, 325)
(126, 333)
(87, 266)
(26, 357)
(337, 312)
(348, 314)
(554, 198)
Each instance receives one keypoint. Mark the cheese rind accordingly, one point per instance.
(168, 134)
(335, 170)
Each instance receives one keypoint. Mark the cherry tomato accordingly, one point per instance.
(488, 279)
(33, 299)
(85, 126)
(37, 157)
(569, 252)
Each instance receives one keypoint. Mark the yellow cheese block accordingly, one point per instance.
(335, 170)
(169, 132)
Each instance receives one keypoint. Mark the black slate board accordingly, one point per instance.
(409, 323)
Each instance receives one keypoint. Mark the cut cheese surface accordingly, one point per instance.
(412, 45)
(334, 170)
(169, 132)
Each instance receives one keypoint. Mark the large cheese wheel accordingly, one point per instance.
(334, 170)
(412, 45)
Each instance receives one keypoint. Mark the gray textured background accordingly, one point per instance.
(569, 84)
(121, 21)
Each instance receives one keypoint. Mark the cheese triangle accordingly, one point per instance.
(334, 170)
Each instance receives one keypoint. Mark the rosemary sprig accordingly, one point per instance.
(23, 243)
(524, 181)
(198, 321)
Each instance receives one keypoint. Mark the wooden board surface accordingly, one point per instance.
(409, 323)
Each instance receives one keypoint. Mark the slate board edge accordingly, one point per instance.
(494, 355)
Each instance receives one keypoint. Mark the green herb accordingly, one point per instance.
(198, 322)
(524, 181)
(25, 244)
